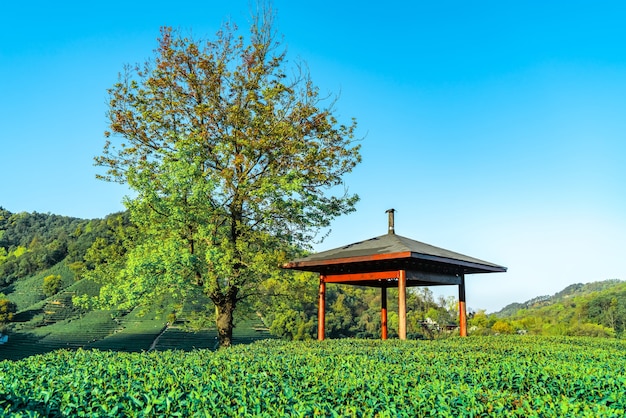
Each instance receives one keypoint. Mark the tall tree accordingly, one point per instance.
(234, 160)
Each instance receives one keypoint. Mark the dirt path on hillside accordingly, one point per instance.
(156, 340)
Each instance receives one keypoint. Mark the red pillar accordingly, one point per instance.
(462, 309)
(321, 311)
(383, 311)
(402, 305)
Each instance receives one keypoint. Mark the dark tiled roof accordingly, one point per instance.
(392, 247)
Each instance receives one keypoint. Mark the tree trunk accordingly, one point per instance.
(224, 309)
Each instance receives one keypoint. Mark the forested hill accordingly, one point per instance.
(592, 309)
(584, 290)
(32, 242)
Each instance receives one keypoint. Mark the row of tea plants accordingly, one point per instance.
(477, 376)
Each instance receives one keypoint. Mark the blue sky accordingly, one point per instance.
(496, 129)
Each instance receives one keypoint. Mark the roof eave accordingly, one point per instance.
(491, 268)
(468, 266)
(303, 263)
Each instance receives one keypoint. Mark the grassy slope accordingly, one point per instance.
(28, 291)
(46, 324)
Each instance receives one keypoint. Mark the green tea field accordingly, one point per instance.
(477, 376)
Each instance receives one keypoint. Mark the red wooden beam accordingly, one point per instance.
(359, 277)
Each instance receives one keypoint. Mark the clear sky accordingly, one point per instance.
(496, 129)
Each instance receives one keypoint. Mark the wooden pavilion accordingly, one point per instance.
(392, 261)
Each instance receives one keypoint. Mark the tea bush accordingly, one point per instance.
(477, 376)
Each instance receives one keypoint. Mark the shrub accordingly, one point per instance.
(591, 330)
(7, 309)
(502, 327)
(52, 284)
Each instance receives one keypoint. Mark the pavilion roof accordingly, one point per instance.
(391, 251)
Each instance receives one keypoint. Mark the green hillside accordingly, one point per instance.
(34, 247)
(592, 309)
(576, 289)
(43, 324)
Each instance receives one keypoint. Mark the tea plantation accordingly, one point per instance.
(477, 376)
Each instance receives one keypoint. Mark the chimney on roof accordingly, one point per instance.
(391, 227)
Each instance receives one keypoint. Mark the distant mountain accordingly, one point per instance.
(593, 309)
(576, 289)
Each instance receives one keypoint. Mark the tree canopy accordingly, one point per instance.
(235, 162)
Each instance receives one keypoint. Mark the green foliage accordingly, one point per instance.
(492, 377)
(608, 308)
(289, 308)
(28, 291)
(591, 330)
(52, 284)
(32, 242)
(106, 257)
(234, 166)
(351, 311)
(7, 310)
(594, 309)
(27, 241)
(502, 327)
(573, 290)
(18, 252)
(293, 325)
